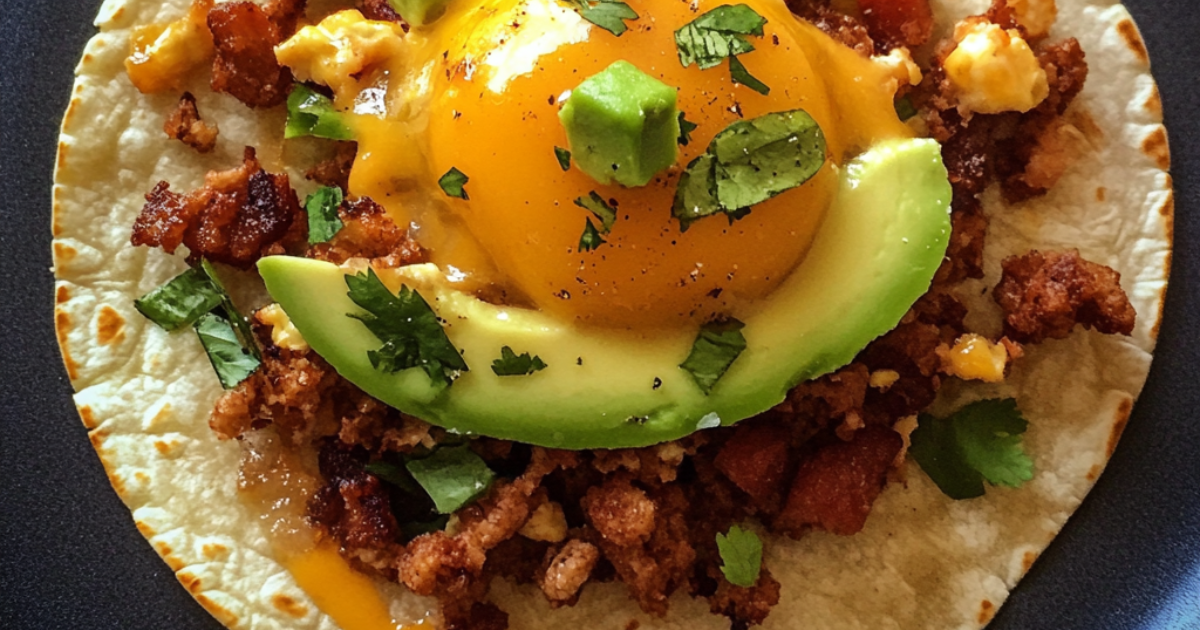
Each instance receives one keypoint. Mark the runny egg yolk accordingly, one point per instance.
(523, 224)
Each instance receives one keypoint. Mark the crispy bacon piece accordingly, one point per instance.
(237, 217)
(245, 67)
(756, 459)
(897, 23)
(184, 124)
(368, 232)
(1044, 295)
(834, 489)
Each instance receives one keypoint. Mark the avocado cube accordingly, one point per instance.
(622, 125)
(419, 12)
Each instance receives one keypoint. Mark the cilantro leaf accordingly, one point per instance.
(232, 362)
(609, 15)
(512, 364)
(564, 158)
(452, 183)
(989, 433)
(740, 74)
(396, 475)
(718, 34)
(311, 113)
(591, 238)
(452, 477)
(181, 301)
(410, 331)
(741, 556)
(749, 162)
(935, 448)
(322, 209)
(716, 348)
(596, 204)
(686, 127)
(905, 108)
(980, 441)
(240, 324)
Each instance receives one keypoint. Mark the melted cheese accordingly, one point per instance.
(347, 596)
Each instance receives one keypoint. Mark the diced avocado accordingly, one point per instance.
(622, 125)
(876, 254)
(419, 12)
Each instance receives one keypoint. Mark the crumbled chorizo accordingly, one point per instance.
(755, 458)
(1044, 295)
(745, 606)
(245, 67)
(897, 23)
(841, 27)
(368, 232)
(335, 171)
(237, 217)
(355, 508)
(184, 124)
(568, 570)
(834, 489)
(380, 10)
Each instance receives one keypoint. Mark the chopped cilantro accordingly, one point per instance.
(512, 364)
(564, 158)
(410, 331)
(686, 127)
(240, 324)
(609, 15)
(452, 477)
(452, 183)
(741, 75)
(181, 301)
(322, 209)
(749, 162)
(980, 441)
(396, 475)
(721, 33)
(591, 238)
(741, 556)
(716, 348)
(596, 204)
(311, 113)
(905, 108)
(231, 360)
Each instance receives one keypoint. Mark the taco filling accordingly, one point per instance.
(577, 293)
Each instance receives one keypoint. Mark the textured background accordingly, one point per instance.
(69, 557)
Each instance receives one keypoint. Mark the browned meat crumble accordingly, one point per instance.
(184, 124)
(1045, 294)
(647, 517)
(237, 217)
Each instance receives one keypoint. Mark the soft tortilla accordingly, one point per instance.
(922, 561)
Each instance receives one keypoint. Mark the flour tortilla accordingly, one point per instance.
(922, 561)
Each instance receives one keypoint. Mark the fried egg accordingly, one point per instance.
(479, 91)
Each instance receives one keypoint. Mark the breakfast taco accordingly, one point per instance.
(539, 313)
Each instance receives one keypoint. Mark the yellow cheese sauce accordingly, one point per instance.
(347, 596)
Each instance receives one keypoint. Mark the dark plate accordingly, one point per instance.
(71, 558)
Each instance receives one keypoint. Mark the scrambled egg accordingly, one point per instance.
(283, 333)
(974, 358)
(162, 55)
(994, 70)
(340, 47)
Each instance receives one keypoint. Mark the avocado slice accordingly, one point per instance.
(622, 125)
(876, 254)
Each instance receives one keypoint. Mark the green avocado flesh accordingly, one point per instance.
(419, 12)
(874, 256)
(622, 125)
